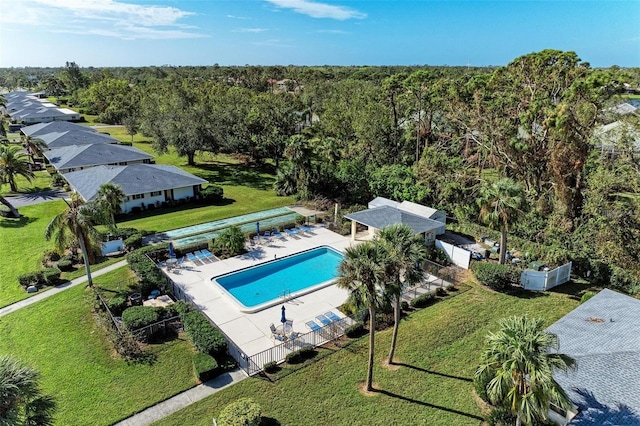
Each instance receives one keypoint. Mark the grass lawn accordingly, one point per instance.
(92, 386)
(438, 347)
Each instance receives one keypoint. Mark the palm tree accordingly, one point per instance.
(522, 357)
(34, 146)
(501, 204)
(22, 401)
(12, 164)
(110, 198)
(77, 222)
(362, 272)
(405, 250)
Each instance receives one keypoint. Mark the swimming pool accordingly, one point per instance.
(261, 286)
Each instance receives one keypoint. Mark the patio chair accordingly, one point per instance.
(323, 320)
(288, 326)
(277, 234)
(180, 262)
(305, 229)
(333, 317)
(313, 326)
(208, 254)
(200, 255)
(267, 235)
(275, 334)
(256, 239)
(192, 258)
(289, 232)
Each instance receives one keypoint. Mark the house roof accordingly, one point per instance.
(418, 209)
(133, 178)
(53, 127)
(26, 105)
(609, 135)
(602, 336)
(74, 156)
(380, 217)
(75, 137)
(381, 201)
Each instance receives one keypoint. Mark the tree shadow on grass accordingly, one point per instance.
(526, 294)
(574, 289)
(16, 223)
(429, 405)
(235, 174)
(269, 421)
(172, 209)
(413, 367)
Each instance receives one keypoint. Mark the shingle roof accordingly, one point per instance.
(134, 179)
(54, 126)
(75, 156)
(603, 335)
(74, 137)
(380, 217)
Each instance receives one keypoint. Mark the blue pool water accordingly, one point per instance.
(261, 284)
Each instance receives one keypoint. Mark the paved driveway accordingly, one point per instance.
(37, 197)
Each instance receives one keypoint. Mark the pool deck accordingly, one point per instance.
(250, 331)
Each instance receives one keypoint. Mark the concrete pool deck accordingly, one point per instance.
(250, 331)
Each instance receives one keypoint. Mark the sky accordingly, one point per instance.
(111, 33)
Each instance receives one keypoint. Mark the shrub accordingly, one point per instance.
(293, 357)
(230, 241)
(204, 336)
(212, 194)
(270, 367)
(423, 300)
(57, 180)
(480, 385)
(586, 296)
(51, 276)
(137, 317)
(243, 412)
(307, 351)
(117, 304)
(355, 330)
(441, 292)
(133, 242)
(149, 276)
(501, 416)
(31, 278)
(624, 280)
(5, 211)
(494, 275)
(451, 287)
(404, 305)
(205, 366)
(179, 308)
(65, 265)
(50, 256)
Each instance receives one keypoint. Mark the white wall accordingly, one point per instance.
(457, 255)
(112, 246)
(545, 280)
(180, 193)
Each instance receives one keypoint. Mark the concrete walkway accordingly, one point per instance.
(184, 399)
(48, 293)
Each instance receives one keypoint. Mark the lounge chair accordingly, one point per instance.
(289, 232)
(323, 320)
(333, 317)
(200, 255)
(180, 262)
(277, 234)
(313, 326)
(208, 255)
(193, 258)
(305, 228)
(288, 326)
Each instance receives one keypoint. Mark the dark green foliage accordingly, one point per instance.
(150, 277)
(57, 181)
(404, 305)
(31, 278)
(51, 276)
(243, 412)
(423, 300)
(270, 367)
(302, 354)
(123, 233)
(65, 265)
(205, 366)
(480, 384)
(229, 242)
(204, 336)
(586, 296)
(441, 292)
(451, 287)
(500, 416)
(178, 308)
(307, 351)
(117, 304)
(133, 242)
(355, 330)
(50, 256)
(624, 280)
(496, 276)
(212, 194)
(137, 317)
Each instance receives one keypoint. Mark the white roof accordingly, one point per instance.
(417, 209)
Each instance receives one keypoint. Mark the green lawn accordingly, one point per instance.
(91, 384)
(439, 348)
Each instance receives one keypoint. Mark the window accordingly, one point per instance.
(137, 196)
(154, 193)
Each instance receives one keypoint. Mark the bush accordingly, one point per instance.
(494, 275)
(149, 276)
(117, 304)
(586, 296)
(293, 357)
(451, 287)
(441, 292)
(137, 317)
(230, 241)
(243, 412)
(57, 180)
(480, 385)
(423, 300)
(307, 351)
(50, 256)
(270, 367)
(204, 336)
(205, 366)
(355, 330)
(404, 305)
(31, 278)
(212, 194)
(51, 276)
(501, 416)
(123, 233)
(624, 280)
(133, 242)
(65, 265)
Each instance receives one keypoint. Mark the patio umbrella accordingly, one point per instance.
(258, 228)
(172, 254)
(283, 319)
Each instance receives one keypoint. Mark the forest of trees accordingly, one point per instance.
(439, 136)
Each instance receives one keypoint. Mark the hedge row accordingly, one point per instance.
(205, 366)
(204, 336)
(496, 276)
(423, 300)
(150, 277)
(302, 354)
(47, 276)
(137, 317)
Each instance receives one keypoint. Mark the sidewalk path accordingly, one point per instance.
(184, 399)
(48, 293)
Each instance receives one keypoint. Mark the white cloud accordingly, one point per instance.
(331, 32)
(319, 10)
(237, 17)
(108, 18)
(250, 30)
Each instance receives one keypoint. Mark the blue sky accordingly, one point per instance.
(313, 32)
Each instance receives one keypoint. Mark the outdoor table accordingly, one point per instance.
(171, 263)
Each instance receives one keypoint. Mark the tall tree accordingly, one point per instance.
(521, 359)
(362, 272)
(77, 222)
(21, 399)
(501, 204)
(405, 252)
(13, 163)
(110, 198)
